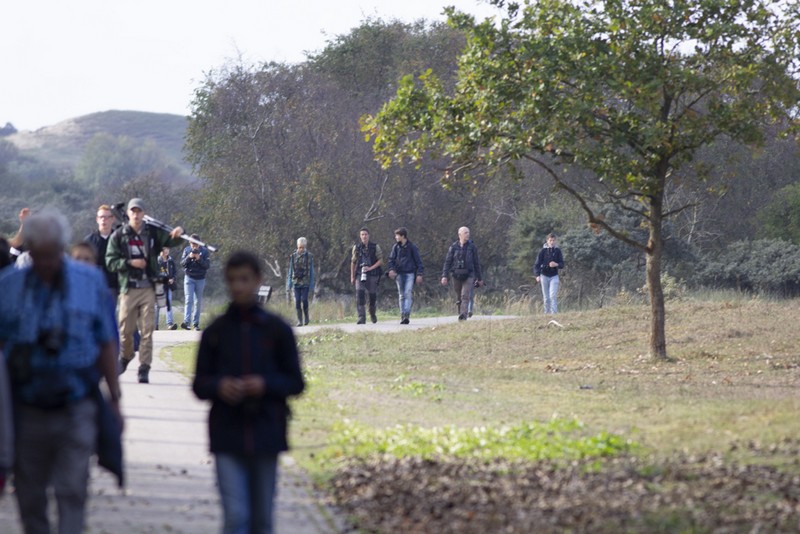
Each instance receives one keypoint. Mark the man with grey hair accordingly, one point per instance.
(59, 340)
(463, 265)
(300, 276)
(132, 253)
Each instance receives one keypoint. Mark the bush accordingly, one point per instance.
(764, 266)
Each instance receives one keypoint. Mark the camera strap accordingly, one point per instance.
(41, 310)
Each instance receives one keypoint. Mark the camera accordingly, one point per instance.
(51, 340)
(364, 273)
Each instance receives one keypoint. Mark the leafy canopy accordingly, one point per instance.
(628, 90)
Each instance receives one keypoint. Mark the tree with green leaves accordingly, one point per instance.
(612, 98)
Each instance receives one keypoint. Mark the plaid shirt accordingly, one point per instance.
(78, 307)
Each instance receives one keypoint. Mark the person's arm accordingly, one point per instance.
(206, 377)
(312, 279)
(448, 263)
(417, 260)
(290, 273)
(288, 380)
(353, 263)
(392, 263)
(476, 264)
(116, 262)
(185, 258)
(205, 260)
(16, 240)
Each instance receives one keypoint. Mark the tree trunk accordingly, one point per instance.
(658, 340)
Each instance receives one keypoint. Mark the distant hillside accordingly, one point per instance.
(62, 144)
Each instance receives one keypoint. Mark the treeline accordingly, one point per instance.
(280, 153)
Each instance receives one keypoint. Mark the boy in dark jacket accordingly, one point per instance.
(247, 365)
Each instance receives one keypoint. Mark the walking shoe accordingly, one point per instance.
(373, 318)
(404, 321)
(144, 374)
(197, 327)
(462, 317)
(173, 326)
(185, 326)
(361, 321)
(469, 314)
(123, 365)
(299, 323)
(306, 321)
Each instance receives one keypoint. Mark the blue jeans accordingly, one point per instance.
(405, 290)
(193, 290)
(550, 293)
(247, 490)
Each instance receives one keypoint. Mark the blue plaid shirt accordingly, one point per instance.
(78, 307)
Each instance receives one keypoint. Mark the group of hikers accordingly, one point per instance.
(68, 319)
(404, 266)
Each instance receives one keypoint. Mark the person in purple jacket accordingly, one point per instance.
(247, 366)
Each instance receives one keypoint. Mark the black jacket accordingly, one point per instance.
(469, 254)
(196, 268)
(100, 247)
(546, 255)
(251, 341)
(405, 259)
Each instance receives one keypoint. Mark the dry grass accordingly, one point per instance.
(735, 375)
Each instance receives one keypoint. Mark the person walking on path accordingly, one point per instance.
(548, 262)
(301, 277)
(405, 268)
(365, 274)
(463, 265)
(168, 274)
(247, 365)
(133, 254)
(195, 262)
(99, 241)
(59, 340)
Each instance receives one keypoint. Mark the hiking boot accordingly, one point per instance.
(361, 320)
(469, 314)
(173, 326)
(373, 318)
(123, 365)
(405, 320)
(185, 326)
(462, 317)
(144, 374)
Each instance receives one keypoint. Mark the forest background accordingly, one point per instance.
(275, 151)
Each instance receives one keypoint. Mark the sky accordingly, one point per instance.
(61, 59)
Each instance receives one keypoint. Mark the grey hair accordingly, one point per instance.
(48, 227)
(302, 241)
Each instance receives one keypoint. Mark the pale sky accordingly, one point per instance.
(60, 59)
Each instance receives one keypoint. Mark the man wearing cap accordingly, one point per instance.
(133, 254)
(195, 262)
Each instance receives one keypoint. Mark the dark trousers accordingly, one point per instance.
(53, 449)
(463, 289)
(362, 289)
(301, 302)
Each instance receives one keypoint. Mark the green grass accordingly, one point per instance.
(734, 378)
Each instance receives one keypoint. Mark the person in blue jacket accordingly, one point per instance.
(548, 262)
(195, 262)
(247, 366)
